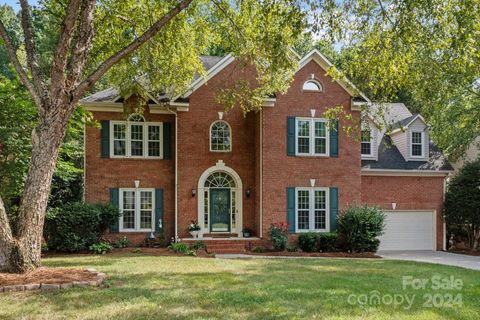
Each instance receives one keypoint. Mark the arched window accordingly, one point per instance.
(312, 85)
(220, 137)
(220, 179)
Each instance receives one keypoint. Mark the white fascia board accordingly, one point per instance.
(407, 173)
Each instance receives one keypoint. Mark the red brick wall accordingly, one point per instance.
(281, 171)
(101, 174)
(409, 193)
(194, 149)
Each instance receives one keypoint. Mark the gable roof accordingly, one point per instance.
(405, 123)
(390, 158)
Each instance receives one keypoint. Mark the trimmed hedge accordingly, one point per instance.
(360, 227)
(318, 242)
(76, 226)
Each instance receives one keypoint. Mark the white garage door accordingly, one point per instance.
(409, 230)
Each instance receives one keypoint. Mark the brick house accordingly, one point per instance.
(187, 159)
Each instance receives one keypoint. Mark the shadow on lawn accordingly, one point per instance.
(260, 289)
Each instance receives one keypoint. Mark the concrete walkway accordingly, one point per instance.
(438, 257)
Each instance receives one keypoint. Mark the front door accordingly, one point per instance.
(219, 210)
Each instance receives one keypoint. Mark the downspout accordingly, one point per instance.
(84, 179)
(261, 174)
(443, 218)
(176, 172)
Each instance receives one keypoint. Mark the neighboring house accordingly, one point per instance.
(472, 154)
(188, 159)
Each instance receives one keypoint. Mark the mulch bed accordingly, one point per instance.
(161, 252)
(466, 252)
(47, 275)
(318, 254)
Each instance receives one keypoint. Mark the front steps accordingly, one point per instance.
(226, 245)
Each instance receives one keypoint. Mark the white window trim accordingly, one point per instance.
(128, 144)
(137, 209)
(312, 90)
(312, 137)
(422, 134)
(311, 209)
(210, 136)
(371, 154)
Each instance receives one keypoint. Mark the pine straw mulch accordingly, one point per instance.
(46, 275)
(466, 252)
(317, 254)
(146, 251)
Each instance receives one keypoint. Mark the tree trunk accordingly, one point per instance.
(22, 251)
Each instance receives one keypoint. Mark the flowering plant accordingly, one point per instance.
(194, 226)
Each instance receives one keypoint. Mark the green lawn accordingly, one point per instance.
(146, 287)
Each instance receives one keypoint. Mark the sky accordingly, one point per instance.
(15, 5)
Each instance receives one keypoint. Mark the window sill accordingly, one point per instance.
(307, 231)
(136, 231)
(301, 155)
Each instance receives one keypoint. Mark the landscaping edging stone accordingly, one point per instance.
(100, 278)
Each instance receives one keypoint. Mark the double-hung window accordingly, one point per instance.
(366, 142)
(417, 144)
(136, 138)
(137, 207)
(312, 137)
(312, 213)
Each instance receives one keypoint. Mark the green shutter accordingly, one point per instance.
(291, 209)
(158, 209)
(291, 136)
(115, 200)
(334, 140)
(333, 208)
(167, 140)
(105, 139)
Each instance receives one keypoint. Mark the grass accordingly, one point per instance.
(146, 287)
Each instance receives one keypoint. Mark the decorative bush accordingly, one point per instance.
(327, 242)
(197, 245)
(308, 241)
(122, 243)
(292, 248)
(360, 227)
(101, 248)
(258, 249)
(278, 235)
(178, 247)
(462, 204)
(315, 242)
(76, 226)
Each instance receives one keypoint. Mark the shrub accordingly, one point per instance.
(308, 241)
(292, 248)
(278, 235)
(327, 242)
(197, 245)
(137, 250)
(359, 228)
(462, 203)
(122, 243)
(178, 247)
(76, 226)
(101, 248)
(258, 249)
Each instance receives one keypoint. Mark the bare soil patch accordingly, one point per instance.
(318, 254)
(46, 275)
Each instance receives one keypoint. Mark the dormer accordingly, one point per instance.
(411, 138)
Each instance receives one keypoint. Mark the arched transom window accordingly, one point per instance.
(312, 85)
(220, 180)
(220, 137)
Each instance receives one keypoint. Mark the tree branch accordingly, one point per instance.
(60, 59)
(16, 63)
(30, 47)
(83, 43)
(88, 83)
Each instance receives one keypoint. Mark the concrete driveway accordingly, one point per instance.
(438, 257)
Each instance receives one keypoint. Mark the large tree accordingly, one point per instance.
(423, 52)
(157, 42)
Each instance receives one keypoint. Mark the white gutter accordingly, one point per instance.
(399, 172)
(176, 172)
(261, 174)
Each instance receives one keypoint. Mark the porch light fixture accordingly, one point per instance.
(137, 183)
(394, 205)
(194, 192)
(248, 193)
